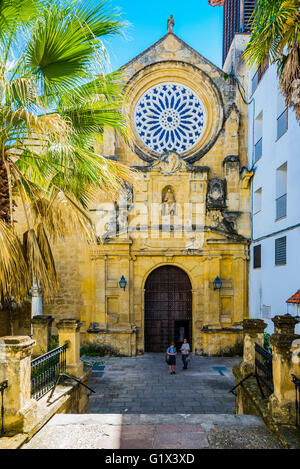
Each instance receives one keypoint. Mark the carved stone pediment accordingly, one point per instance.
(169, 163)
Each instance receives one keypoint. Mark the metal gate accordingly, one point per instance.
(168, 308)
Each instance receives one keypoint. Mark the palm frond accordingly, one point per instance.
(14, 274)
(64, 43)
(275, 26)
(39, 260)
(55, 101)
(61, 216)
(290, 79)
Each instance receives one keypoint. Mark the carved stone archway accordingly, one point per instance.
(168, 308)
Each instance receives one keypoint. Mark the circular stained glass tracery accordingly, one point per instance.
(169, 116)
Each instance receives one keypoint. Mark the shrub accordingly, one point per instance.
(53, 343)
(99, 350)
(267, 344)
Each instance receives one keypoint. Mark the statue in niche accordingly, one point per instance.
(171, 24)
(169, 202)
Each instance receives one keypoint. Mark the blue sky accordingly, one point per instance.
(196, 23)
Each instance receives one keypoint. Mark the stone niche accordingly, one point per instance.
(216, 194)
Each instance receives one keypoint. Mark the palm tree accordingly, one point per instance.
(55, 100)
(276, 38)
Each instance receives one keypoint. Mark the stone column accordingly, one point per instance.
(36, 300)
(41, 333)
(253, 333)
(99, 317)
(240, 288)
(282, 401)
(69, 331)
(214, 303)
(20, 411)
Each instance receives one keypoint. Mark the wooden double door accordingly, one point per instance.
(168, 308)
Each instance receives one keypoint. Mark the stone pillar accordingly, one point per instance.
(282, 401)
(99, 316)
(212, 316)
(240, 288)
(296, 358)
(20, 411)
(69, 331)
(41, 333)
(253, 333)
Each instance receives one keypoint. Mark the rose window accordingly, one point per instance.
(168, 117)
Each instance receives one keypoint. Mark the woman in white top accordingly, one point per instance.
(185, 351)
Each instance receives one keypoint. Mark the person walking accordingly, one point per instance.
(172, 352)
(185, 352)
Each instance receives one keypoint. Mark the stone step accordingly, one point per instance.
(153, 431)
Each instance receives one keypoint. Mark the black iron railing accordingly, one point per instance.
(296, 382)
(3, 386)
(282, 123)
(264, 370)
(258, 149)
(45, 371)
(281, 206)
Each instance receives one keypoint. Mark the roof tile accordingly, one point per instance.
(294, 298)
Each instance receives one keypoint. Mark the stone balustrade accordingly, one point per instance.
(285, 343)
(253, 333)
(282, 401)
(21, 412)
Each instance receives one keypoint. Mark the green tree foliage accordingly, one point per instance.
(55, 100)
(276, 39)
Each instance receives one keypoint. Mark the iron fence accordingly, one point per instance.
(264, 370)
(296, 382)
(3, 386)
(45, 371)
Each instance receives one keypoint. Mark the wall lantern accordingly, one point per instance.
(123, 283)
(217, 283)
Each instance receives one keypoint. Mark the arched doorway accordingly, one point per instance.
(168, 308)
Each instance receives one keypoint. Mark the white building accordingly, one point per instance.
(274, 154)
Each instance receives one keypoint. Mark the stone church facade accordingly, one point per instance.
(184, 226)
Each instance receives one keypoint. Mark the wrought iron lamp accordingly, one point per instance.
(218, 283)
(123, 283)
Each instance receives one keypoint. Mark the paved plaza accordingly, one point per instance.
(166, 431)
(143, 385)
(139, 405)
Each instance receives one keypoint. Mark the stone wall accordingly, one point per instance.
(210, 224)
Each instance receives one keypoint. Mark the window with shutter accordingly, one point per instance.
(257, 256)
(280, 251)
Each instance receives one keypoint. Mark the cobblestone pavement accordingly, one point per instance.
(166, 431)
(143, 385)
